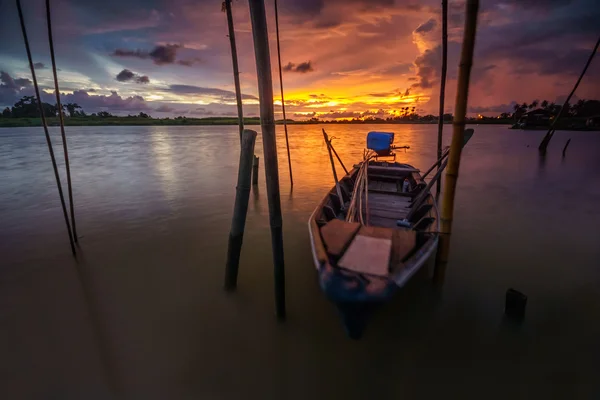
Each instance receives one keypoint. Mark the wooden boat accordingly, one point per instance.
(362, 264)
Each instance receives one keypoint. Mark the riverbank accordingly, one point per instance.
(139, 121)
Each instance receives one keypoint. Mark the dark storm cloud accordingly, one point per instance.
(125, 75)
(164, 54)
(129, 76)
(39, 65)
(203, 91)
(427, 26)
(160, 55)
(12, 89)
(302, 68)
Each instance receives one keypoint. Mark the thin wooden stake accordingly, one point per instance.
(236, 72)
(45, 125)
(240, 209)
(267, 123)
(546, 140)
(438, 187)
(287, 143)
(565, 148)
(62, 122)
(460, 111)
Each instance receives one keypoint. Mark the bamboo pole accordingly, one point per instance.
(546, 140)
(45, 125)
(287, 143)
(240, 209)
(236, 72)
(62, 122)
(460, 111)
(267, 123)
(438, 187)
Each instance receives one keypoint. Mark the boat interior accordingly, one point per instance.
(381, 246)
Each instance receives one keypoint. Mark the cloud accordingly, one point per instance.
(129, 76)
(302, 68)
(498, 108)
(164, 108)
(113, 102)
(160, 54)
(125, 75)
(12, 89)
(188, 62)
(204, 91)
(39, 65)
(427, 26)
(164, 54)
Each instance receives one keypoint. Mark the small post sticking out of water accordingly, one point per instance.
(240, 209)
(267, 123)
(565, 148)
(438, 186)
(255, 170)
(460, 111)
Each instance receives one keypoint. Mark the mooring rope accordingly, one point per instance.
(62, 121)
(45, 125)
(287, 143)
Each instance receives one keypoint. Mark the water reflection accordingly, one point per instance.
(163, 162)
(157, 275)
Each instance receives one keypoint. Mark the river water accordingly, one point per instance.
(141, 314)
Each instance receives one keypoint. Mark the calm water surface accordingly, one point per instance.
(142, 311)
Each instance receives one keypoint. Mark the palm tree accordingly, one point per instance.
(535, 103)
(545, 104)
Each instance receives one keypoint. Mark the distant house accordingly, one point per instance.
(537, 117)
(593, 122)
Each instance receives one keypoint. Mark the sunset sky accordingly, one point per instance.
(343, 58)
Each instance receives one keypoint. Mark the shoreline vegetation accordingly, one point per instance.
(584, 115)
(140, 121)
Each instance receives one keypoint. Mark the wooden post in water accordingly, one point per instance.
(255, 170)
(460, 111)
(546, 140)
(236, 71)
(240, 209)
(267, 123)
(438, 186)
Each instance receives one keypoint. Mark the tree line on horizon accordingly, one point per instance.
(582, 108)
(27, 107)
